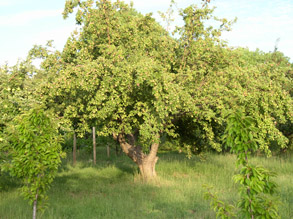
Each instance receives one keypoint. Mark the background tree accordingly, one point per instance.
(220, 78)
(252, 80)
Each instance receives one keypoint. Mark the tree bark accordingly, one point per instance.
(145, 162)
(74, 149)
(117, 150)
(108, 150)
(94, 145)
(147, 168)
(35, 207)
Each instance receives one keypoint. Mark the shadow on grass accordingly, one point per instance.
(114, 193)
(84, 160)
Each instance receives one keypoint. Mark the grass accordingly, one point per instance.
(113, 189)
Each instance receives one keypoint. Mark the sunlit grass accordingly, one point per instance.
(113, 188)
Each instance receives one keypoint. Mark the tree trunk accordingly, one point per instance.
(108, 150)
(117, 150)
(74, 149)
(35, 207)
(145, 162)
(147, 168)
(94, 145)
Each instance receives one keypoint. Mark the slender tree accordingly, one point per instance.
(35, 154)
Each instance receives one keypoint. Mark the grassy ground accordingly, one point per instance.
(112, 188)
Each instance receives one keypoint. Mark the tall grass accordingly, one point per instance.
(113, 189)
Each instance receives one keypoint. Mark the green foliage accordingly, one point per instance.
(240, 136)
(256, 191)
(86, 143)
(15, 90)
(16, 94)
(256, 184)
(223, 210)
(257, 188)
(220, 79)
(116, 72)
(35, 150)
(123, 71)
(252, 80)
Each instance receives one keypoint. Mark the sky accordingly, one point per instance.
(24, 23)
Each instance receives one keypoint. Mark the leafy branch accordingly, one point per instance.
(257, 188)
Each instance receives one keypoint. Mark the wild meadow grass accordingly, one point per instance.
(113, 188)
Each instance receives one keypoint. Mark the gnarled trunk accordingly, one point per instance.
(145, 162)
(147, 168)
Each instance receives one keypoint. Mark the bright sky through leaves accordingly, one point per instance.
(260, 23)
